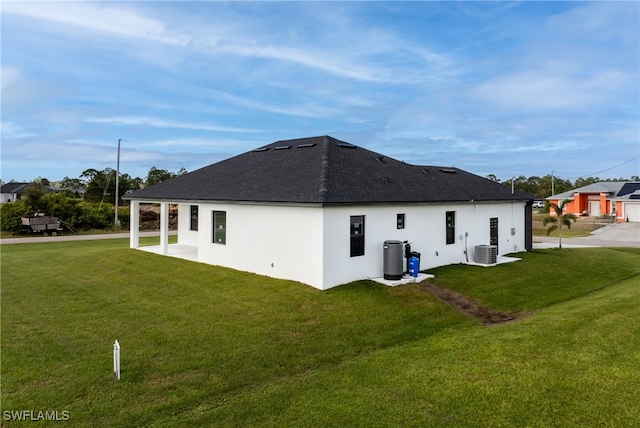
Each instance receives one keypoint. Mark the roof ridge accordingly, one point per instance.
(324, 169)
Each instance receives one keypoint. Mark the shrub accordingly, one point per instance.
(10, 214)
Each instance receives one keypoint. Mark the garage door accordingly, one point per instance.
(632, 211)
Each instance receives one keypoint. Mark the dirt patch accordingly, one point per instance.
(470, 307)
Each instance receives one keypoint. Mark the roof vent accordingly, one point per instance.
(448, 170)
(302, 146)
(425, 171)
(380, 159)
(386, 180)
(281, 147)
(262, 149)
(347, 146)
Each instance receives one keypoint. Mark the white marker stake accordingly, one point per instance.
(116, 359)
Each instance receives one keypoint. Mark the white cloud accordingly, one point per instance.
(10, 130)
(94, 17)
(307, 110)
(162, 123)
(10, 77)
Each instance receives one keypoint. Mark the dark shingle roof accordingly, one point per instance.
(14, 187)
(326, 171)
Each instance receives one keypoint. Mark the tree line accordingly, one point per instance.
(99, 184)
(549, 185)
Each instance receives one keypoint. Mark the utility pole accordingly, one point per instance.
(553, 183)
(116, 223)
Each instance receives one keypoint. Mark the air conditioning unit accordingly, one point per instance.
(487, 254)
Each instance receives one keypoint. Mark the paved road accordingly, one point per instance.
(61, 238)
(613, 235)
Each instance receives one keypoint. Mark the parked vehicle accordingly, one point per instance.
(39, 223)
(538, 204)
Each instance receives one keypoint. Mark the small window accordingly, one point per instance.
(451, 227)
(220, 227)
(357, 235)
(194, 217)
(400, 221)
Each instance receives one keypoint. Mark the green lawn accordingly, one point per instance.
(208, 346)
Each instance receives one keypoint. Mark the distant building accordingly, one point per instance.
(620, 199)
(11, 192)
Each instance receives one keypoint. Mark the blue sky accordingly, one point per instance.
(504, 88)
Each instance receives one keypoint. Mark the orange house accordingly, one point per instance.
(604, 198)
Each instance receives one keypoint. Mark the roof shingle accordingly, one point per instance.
(326, 171)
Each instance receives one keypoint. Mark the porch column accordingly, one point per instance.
(164, 228)
(604, 209)
(134, 224)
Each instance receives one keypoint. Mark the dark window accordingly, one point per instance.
(194, 217)
(357, 235)
(400, 221)
(451, 227)
(220, 227)
(493, 231)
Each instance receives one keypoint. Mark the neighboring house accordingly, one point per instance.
(620, 199)
(11, 192)
(318, 210)
(627, 202)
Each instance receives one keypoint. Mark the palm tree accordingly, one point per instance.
(559, 219)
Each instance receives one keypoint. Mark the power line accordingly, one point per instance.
(604, 170)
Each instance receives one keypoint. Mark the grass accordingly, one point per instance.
(584, 226)
(209, 346)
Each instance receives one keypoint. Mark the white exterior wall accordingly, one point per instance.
(312, 244)
(424, 229)
(187, 236)
(8, 197)
(277, 241)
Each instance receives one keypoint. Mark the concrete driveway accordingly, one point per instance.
(614, 235)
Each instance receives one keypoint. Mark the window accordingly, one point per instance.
(400, 221)
(357, 235)
(194, 217)
(451, 227)
(220, 227)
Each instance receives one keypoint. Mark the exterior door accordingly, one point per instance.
(493, 231)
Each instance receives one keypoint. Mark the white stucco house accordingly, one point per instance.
(318, 210)
(11, 192)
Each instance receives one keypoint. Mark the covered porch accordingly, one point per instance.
(182, 251)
